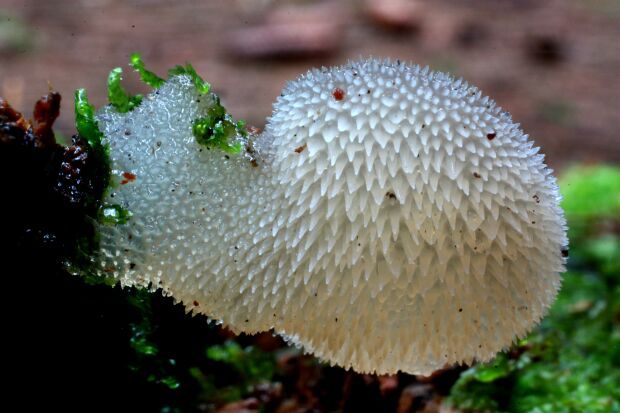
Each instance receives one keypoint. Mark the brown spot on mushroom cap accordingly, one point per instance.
(128, 177)
(301, 148)
(338, 94)
(491, 136)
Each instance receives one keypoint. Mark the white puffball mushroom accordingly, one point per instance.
(391, 218)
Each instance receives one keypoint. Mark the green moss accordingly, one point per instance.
(155, 81)
(146, 76)
(591, 193)
(215, 130)
(201, 86)
(253, 365)
(96, 177)
(118, 96)
(88, 128)
(85, 122)
(114, 214)
(140, 343)
(218, 129)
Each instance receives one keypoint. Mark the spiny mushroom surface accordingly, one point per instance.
(388, 218)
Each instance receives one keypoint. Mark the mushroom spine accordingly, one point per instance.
(388, 218)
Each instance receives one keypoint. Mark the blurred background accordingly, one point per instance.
(554, 65)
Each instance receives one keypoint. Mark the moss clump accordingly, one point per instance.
(85, 122)
(591, 198)
(188, 70)
(118, 96)
(155, 81)
(218, 129)
(88, 128)
(146, 76)
(253, 365)
(114, 214)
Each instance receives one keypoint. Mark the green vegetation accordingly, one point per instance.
(85, 122)
(114, 214)
(188, 70)
(88, 129)
(218, 129)
(250, 365)
(253, 365)
(591, 198)
(155, 81)
(118, 96)
(146, 76)
(571, 362)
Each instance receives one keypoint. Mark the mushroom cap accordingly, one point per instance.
(397, 220)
